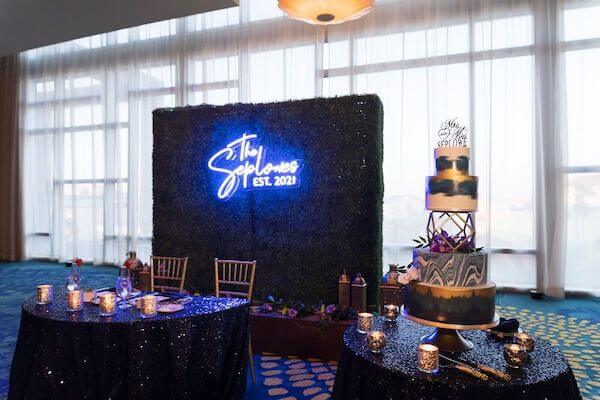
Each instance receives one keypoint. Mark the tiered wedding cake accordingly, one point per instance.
(452, 283)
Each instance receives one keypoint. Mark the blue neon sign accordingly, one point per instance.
(244, 163)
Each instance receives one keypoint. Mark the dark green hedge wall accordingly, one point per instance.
(301, 237)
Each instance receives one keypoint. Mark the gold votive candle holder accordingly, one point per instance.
(148, 306)
(75, 300)
(391, 312)
(376, 341)
(364, 322)
(515, 355)
(45, 294)
(428, 358)
(108, 304)
(525, 339)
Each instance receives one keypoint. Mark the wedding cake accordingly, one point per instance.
(448, 281)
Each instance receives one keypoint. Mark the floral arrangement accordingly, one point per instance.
(78, 262)
(297, 309)
(411, 274)
(443, 242)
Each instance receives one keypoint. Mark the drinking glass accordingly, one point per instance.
(123, 287)
(73, 278)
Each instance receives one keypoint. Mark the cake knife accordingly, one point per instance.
(499, 374)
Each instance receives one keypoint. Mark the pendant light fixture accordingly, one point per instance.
(325, 12)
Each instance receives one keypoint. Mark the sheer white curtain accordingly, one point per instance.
(494, 64)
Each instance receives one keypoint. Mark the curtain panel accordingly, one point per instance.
(512, 70)
(12, 240)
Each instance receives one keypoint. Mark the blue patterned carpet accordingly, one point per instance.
(572, 324)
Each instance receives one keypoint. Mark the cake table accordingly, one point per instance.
(393, 373)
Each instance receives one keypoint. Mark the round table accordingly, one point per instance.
(393, 373)
(197, 353)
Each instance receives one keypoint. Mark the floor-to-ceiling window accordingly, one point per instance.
(581, 49)
(88, 124)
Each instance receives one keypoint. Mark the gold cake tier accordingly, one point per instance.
(450, 304)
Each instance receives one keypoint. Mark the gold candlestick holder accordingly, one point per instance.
(376, 341)
(148, 306)
(45, 294)
(515, 355)
(364, 322)
(75, 300)
(108, 304)
(428, 358)
(391, 312)
(525, 339)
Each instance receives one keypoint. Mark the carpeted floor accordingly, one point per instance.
(572, 324)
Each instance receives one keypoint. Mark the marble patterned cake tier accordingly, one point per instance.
(474, 305)
(451, 269)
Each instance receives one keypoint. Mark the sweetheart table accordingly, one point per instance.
(199, 352)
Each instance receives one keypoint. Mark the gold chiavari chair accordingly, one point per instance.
(167, 273)
(237, 277)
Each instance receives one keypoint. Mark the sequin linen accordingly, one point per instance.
(393, 373)
(197, 353)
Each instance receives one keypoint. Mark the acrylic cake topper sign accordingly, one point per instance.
(453, 134)
(243, 163)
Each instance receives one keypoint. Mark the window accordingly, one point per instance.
(88, 125)
(582, 62)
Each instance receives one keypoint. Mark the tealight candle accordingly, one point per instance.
(376, 341)
(391, 312)
(365, 322)
(108, 304)
(75, 300)
(428, 358)
(525, 339)
(515, 355)
(44, 294)
(148, 306)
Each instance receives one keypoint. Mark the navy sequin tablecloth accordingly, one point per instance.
(197, 353)
(393, 374)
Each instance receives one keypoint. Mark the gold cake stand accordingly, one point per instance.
(447, 336)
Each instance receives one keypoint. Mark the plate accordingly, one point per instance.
(170, 308)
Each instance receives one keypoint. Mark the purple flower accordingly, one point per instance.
(292, 313)
(267, 307)
(330, 309)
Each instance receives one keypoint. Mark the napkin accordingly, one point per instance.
(510, 325)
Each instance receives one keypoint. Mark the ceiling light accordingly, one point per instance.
(325, 12)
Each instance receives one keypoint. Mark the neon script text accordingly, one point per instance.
(242, 162)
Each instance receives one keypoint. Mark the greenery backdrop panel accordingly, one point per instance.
(301, 235)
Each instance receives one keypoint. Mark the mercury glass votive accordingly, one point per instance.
(44, 294)
(75, 300)
(515, 355)
(376, 341)
(364, 322)
(148, 306)
(391, 312)
(428, 358)
(108, 304)
(525, 339)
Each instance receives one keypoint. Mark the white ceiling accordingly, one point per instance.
(27, 24)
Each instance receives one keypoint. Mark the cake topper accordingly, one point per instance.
(453, 134)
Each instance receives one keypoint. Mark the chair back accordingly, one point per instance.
(167, 273)
(234, 278)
